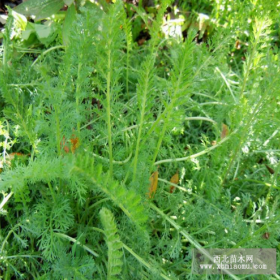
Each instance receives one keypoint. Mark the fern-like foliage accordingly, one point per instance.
(129, 202)
(126, 25)
(71, 267)
(178, 91)
(115, 255)
(40, 170)
(145, 91)
(84, 126)
(49, 218)
(109, 65)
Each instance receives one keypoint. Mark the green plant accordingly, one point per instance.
(99, 115)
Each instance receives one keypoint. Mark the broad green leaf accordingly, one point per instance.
(20, 23)
(68, 2)
(42, 31)
(39, 8)
(28, 31)
(68, 23)
(45, 33)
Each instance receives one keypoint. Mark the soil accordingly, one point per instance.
(3, 9)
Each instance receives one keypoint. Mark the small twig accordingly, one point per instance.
(47, 51)
(197, 154)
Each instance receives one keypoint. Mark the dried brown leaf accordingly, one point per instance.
(153, 184)
(270, 170)
(224, 131)
(174, 180)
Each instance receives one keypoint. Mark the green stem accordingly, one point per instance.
(52, 192)
(8, 235)
(92, 206)
(190, 239)
(142, 116)
(23, 256)
(127, 63)
(98, 229)
(47, 51)
(114, 161)
(108, 98)
(58, 136)
(170, 108)
(142, 261)
(160, 138)
(243, 137)
(78, 89)
(76, 242)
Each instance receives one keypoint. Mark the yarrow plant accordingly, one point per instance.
(119, 159)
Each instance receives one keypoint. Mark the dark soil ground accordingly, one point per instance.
(3, 9)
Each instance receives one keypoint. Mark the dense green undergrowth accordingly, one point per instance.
(88, 126)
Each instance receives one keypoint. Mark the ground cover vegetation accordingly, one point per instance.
(132, 133)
